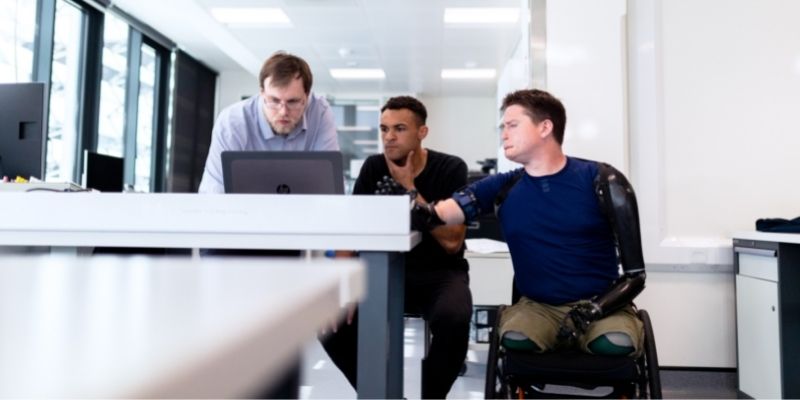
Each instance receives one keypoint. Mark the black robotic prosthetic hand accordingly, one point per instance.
(577, 321)
(621, 293)
(423, 216)
(388, 186)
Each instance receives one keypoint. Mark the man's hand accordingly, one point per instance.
(403, 174)
(578, 320)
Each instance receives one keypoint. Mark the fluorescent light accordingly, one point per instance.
(365, 142)
(469, 73)
(354, 128)
(250, 16)
(480, 15)
(358, 73)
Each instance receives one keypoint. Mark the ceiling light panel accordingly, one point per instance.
(251, 16)
(358, 73)
(481, 15)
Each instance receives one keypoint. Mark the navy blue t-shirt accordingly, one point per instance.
(562, 246)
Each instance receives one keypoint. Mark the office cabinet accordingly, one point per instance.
(758, 339)
(767, 319)
(490, 278)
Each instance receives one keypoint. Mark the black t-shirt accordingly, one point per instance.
(443, 175)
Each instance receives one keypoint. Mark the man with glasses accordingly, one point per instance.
(285, 116)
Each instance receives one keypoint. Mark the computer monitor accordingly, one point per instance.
(103, 173)
(23, 129)
(283, 172)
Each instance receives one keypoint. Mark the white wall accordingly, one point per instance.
(516, 75)
(462, 126)
(232, 85)
(713, 87)
(713, 94)
(731, 79)
(584, 43)
(585, 59)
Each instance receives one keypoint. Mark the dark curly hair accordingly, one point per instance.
(408, 103)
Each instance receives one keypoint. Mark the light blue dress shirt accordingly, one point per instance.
(243, 126)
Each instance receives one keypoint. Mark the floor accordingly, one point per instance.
(322, 380)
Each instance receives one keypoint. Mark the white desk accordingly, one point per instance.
(376, 225)
(768, 313)
(139, 327)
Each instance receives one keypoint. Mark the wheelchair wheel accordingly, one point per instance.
(651, 357)
(493, 386)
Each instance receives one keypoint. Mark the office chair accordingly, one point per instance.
(521, 374)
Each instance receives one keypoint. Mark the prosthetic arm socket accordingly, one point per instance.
(618, 202)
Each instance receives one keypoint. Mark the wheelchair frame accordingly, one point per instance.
(643, 380)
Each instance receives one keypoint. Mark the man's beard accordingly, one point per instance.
(400, 162)
(281, 132)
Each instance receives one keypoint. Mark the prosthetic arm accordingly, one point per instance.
(423, 216)
(618, 203)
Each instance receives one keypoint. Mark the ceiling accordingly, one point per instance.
(406, 38)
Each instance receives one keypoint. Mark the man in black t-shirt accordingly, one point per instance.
(437, 279)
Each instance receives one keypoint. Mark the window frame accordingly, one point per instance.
(90, 77)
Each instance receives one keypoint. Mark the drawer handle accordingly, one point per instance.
(755, 252)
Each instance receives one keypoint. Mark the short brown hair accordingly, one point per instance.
(283, 68)
(409, 103)
(539, 106)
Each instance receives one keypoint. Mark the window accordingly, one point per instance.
(17, 33)
(107, 84)
(111, 126)
(144, 124)
(62, 136)
(357, 125)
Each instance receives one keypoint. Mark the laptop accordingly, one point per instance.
(283, 172)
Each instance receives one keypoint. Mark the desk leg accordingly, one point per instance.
(380, 328)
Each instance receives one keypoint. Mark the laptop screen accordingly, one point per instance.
(283, 172)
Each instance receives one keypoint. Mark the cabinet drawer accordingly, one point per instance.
(758, 337)
(758, 266)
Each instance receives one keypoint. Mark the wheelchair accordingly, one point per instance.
(519, 374)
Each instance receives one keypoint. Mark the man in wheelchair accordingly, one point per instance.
(568, 222)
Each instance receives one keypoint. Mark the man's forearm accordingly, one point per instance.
(449, 211)
(450, 237)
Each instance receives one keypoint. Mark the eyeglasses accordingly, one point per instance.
(291, 105)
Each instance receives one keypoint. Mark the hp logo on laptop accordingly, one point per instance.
(283, 189)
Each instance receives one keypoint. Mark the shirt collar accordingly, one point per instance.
(266, 130)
